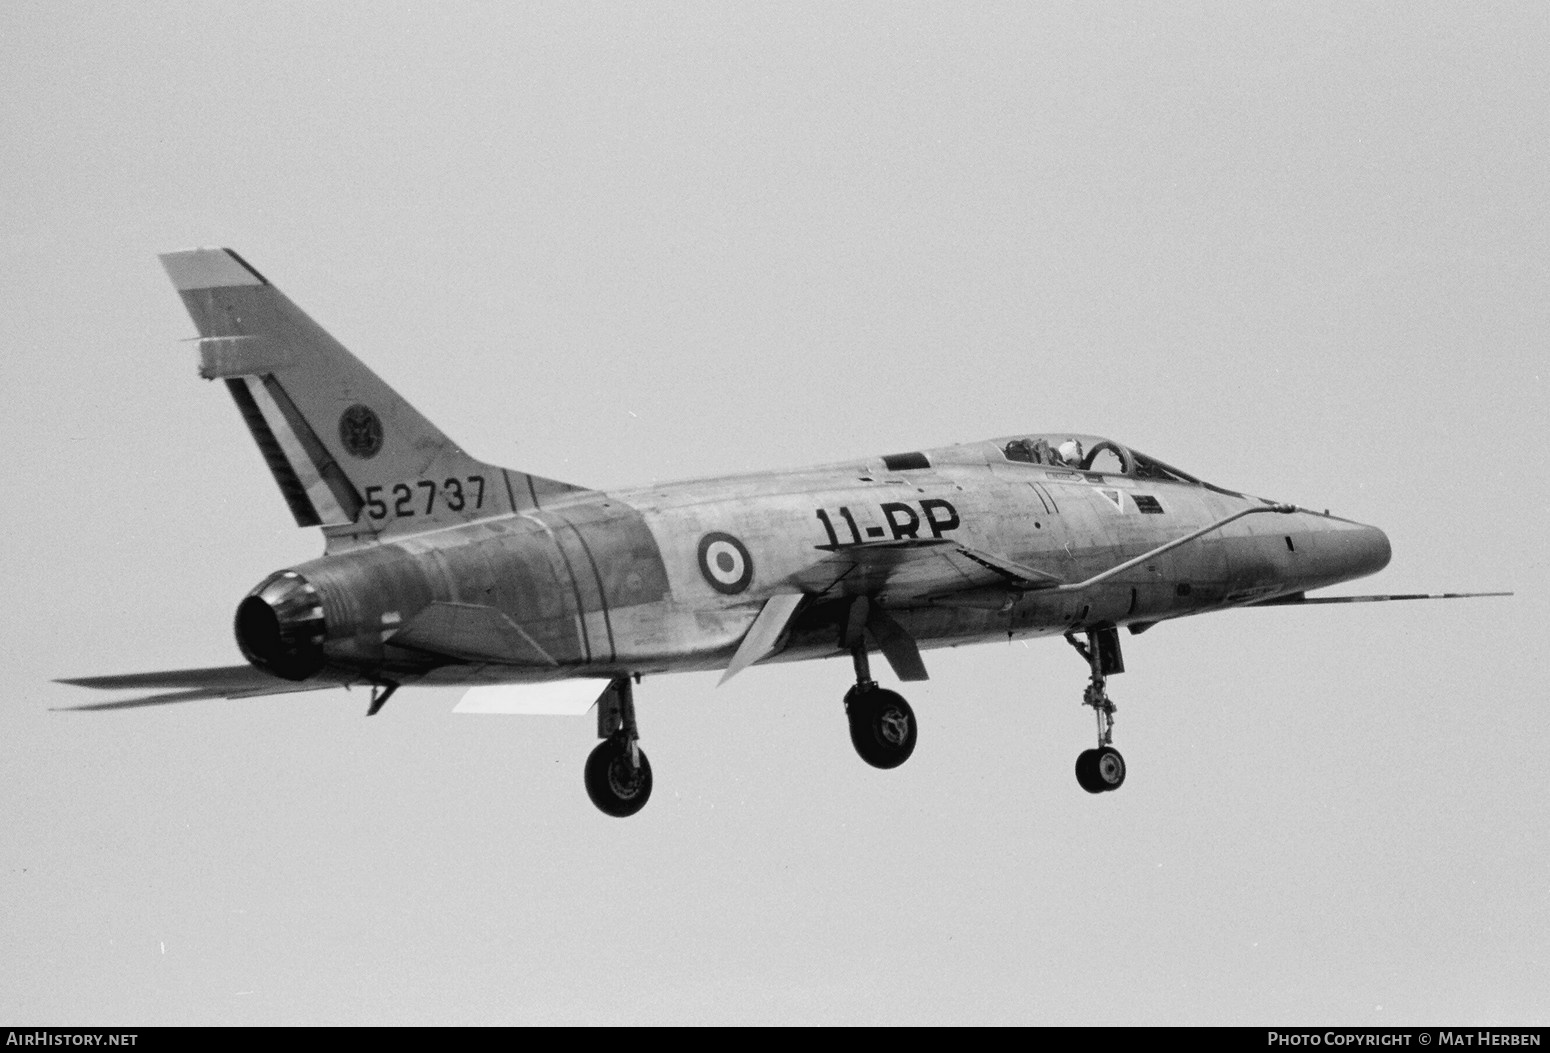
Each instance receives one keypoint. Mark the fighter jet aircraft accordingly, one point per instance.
(542, 596)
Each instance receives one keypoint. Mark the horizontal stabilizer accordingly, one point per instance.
(216, 678)
(561, 698)
(190, 685)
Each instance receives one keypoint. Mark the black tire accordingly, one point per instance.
(882, 726)
(1109, 768)
(615, 786)
(1087, 771)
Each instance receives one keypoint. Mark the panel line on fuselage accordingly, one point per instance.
(575, 586)
(597, 576)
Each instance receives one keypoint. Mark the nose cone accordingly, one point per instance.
(1359, 550)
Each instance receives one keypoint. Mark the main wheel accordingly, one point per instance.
(1109, 767)
(882, 726)
(1087, 771)
(616, 786)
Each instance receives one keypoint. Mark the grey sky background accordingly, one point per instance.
(1297, 249)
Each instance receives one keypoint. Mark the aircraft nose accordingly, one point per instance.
(1361, 550)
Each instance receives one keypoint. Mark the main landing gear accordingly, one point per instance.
(882, 724)
(1101, 769)
(618, 775)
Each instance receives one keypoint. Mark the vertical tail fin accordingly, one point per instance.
(348, 453)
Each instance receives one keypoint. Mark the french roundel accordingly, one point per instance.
(725, 562)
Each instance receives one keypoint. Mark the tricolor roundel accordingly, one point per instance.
(725, 562)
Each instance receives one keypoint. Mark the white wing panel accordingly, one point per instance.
(560, 698)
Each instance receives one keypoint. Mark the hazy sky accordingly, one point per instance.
(1298, 249)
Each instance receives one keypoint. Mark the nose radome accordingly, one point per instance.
(1362, 550)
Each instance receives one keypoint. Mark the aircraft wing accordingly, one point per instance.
(913, 571)
(190, 685)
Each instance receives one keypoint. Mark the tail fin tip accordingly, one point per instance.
(204, 268)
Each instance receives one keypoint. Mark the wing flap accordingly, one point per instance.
(561, 698)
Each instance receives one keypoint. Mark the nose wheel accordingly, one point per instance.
(1102, 769)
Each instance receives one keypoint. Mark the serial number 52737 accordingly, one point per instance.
(419, 497)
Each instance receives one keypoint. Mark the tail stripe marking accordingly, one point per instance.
(340, 488)
(291, 487)
(327, 506)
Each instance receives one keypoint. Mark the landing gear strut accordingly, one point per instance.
(1101, 769)
(618, 775)
(882, 724)
(380, 693)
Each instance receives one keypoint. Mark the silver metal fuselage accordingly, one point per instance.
(613, 583)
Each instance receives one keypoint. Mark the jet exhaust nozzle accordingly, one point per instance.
(280, 626)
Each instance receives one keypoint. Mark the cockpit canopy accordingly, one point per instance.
(1091, 453)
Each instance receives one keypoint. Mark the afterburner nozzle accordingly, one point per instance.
(280, 626)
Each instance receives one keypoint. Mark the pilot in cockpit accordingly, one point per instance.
(1069, 452)
(1039, 451)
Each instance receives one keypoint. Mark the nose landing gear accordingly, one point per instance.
(1102, 769)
